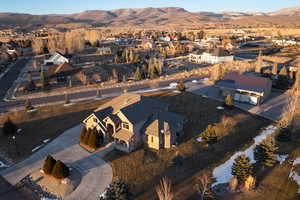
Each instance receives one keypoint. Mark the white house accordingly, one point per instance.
(284, 42)
(56, 59)
(212, 57)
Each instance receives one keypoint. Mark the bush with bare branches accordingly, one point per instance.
(203, 187)
(164, 190)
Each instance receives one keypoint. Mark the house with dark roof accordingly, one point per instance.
(132, 120)
(61, 72)
(212, 56)
(245, 88)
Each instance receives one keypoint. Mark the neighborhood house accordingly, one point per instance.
(212, 57)
(56, 59)
(243, 88)
(132, 120)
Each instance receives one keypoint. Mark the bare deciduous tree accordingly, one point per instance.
(164, 190)
(203, 186)
(290, 112)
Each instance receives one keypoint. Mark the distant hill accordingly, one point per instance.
(166, 16)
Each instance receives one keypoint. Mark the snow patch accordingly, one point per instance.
(281, 158)
(46, 141)
(222, 173)
(36, 148)
(220, 108)
(296, 162)
(199, 139)
(2, 165)
(295, 176)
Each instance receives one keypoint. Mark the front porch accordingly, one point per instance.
(123, 140)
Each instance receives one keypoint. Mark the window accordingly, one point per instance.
(95, 120)
(152, 139)
(125, 125)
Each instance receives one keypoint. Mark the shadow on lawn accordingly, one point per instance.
(204, 158)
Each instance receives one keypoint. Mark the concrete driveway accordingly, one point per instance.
(270, 109)
(96, 173)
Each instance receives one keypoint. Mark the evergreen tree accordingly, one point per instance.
(49, 164)
(229, 101)
(283, 71)
(265, 152)
(138, 74)
(60, 170)
(82, 134)
(42, 77)
(241, 168)
(28, 106)
(67, 100)
(86, 137)
(9, 128)
(93, 141)
(181, 87)
(209, 136)
(118, 190)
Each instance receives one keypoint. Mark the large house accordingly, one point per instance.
(213, 56)
(132, 120)
(56, 59)
(244, 88)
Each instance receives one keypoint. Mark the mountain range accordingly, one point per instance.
(148, 17)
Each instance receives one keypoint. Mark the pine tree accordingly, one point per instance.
(138, 74)
(283, 71)
(241, 168)
(209, 136)
(60, 170)
(275, 69)
(28, 106)
(93, 141)
(181, 87)
(9, 128)
(67, 100)
(42, 77)
(86, 137)
(229, 101)
(82, 134)
(265, 152)
(49, 164)
(118, 190)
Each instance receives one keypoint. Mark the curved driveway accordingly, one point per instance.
(96, 173)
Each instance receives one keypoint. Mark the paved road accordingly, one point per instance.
(8, 79)
(6, 106)
(96, 173)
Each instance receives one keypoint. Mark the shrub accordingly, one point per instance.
(93, 141)
(229, 101)
(82, 134)
(49, 164)
(241, 168)
(9, 128)
(118, 190)
(209, 136)
(265, 152)
(181, 87)
(60, 170)
(28, 106)
(86, 137)
(284, 134)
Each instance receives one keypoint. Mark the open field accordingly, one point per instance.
(46, 123)
(144, 168)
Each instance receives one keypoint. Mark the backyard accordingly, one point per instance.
(144, 168)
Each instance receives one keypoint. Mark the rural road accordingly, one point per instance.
(96, 173)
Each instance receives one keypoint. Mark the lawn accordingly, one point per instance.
(46, 123)
(144, 168)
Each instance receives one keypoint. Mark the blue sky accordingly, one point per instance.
(73, 6)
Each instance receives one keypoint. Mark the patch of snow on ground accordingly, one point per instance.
(2, 165)
(296, 162)
(281, 158)
(220, 108)
(222, 173)
(199, 139)
(294, 175)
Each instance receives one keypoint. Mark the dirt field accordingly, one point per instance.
(144, 168)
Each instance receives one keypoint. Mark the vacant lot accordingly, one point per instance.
(144, 168)
(46, 123)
